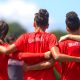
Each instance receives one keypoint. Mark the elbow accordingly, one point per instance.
(57, 57)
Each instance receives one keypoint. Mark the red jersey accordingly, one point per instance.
(39, 42)
(70, 70)
(4, 61)
(3, 65)
(58, 67)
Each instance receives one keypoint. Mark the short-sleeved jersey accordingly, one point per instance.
(4, 62)
(70, 70)
(39, 42)
(3, 65)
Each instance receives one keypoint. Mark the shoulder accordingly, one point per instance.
(65, 43)
(50, 34)
(26, 35)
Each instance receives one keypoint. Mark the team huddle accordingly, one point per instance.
(40, 51)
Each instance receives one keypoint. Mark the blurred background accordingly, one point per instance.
(19, 14)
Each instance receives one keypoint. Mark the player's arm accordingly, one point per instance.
(63, 57)
(27, 55)
(56, 52)
(70, 36)
(40, 66)
(11, 48)
(18, 46)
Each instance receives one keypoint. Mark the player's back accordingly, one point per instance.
(39, 42)
(70, 70)
(36, 42)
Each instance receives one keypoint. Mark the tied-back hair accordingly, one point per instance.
(42, 18)
(3, 27)
(72, 21)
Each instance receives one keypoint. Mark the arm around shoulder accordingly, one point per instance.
(63, 57)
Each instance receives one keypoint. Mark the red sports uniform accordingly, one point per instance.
(37, 42)
(3, 65)
(70, 70)
(58, 67)
(4, 61)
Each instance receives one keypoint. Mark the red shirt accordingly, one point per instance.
(4, 61)
(70, 70)
(39, 42)
(3, 65)
(58, 67)
(22, 55)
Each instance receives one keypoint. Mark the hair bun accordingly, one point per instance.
(43, 13)
(42, 17)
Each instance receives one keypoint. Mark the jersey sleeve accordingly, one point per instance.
(20, 42)
(25, 56)
(52, 41)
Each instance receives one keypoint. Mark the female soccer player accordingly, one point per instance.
(40, 42)
(71, 70)
(4, 58)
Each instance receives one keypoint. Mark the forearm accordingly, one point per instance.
(27, 55)
(63, 57)
(8, 50)
(41, 66)
(70, 36)
(74, 37)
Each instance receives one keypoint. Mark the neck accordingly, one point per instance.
(75, 33)
(39, 29)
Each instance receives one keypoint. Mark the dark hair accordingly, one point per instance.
(10, 39)
(3, 29)
(72, 21)
(42, 18)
